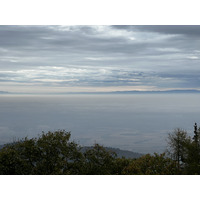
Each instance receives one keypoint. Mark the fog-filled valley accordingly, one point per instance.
(138, 122)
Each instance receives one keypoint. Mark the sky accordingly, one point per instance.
(59, 59)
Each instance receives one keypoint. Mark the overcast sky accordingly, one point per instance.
(99, 58)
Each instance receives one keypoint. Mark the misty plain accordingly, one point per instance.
(135, 122)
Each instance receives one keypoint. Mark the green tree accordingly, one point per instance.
(192, 163)
(51, 153)
(178, 143)
(57, 154)
(99, 161)
(151, 165)
(119, 165)
(19, 157)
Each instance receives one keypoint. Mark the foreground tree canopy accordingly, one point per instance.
(185, 150)
(53, 153)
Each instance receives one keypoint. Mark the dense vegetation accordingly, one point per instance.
(53, 153)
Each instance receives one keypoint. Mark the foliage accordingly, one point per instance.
(57, 154)
(51, 153)
(98, 161)
(192, 162)
(178, 142)
(19, 157)
(151, 165)
(185, 151)
(120, 164)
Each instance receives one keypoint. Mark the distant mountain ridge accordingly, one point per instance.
(124, 153)
(136, 92)
(156, 92)
(112, 92)
(120, 153)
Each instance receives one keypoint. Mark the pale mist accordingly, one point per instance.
(136, 122)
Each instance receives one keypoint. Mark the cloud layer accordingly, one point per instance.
(98, 58)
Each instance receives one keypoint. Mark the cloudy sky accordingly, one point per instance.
(48, 59)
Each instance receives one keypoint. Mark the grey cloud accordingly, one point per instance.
(192, 30)
(105, 56)
(185, 30)
(22, 36)
(44, 39)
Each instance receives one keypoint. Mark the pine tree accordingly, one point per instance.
(193, 157)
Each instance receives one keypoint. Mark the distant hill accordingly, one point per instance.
(124, 153)
(120, 153)
(157, 92)
(113, 92)
(135, 92)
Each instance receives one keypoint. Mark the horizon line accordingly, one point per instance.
(104, 92)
